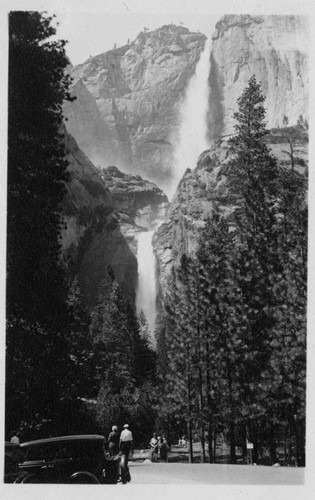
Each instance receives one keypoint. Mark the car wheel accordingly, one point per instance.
(31, 479)
(83, 478)
(19, 479)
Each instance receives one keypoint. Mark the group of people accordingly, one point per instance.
(159, 448)
(120, 442)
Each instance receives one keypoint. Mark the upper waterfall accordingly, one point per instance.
(192, 137)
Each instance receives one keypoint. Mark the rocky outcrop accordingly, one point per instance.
(84, 122)
(203, 191)
(126, 112)
(86, 195)
(86, 188)
(198, 193)
(131, 192)
(275, 49)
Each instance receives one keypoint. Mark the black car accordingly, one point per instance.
(68, 459)
(12, 456)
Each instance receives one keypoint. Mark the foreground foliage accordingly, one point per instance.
(68, 370)
(37, 315)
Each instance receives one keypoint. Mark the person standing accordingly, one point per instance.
(113, 441)
(125, 446)
(153, 448)
(159, 442)
(164, 449)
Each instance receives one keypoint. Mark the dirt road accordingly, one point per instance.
(172, 473)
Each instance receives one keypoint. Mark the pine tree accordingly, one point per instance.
(270, 220)
(37, 314)
(110, 336)
(37, 168)
(79, 343)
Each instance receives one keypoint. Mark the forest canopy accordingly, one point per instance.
(233, 340)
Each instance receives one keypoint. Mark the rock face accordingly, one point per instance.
(126, 112)
(201, 192)
(275, 49)
(193, 203)
(100, 230)
(86, 189)
(131, 192)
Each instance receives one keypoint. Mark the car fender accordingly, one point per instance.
(83, 477)
(27, 478)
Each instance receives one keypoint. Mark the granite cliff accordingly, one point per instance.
(126, 112)
(100, 228)
(204, 190)
(131, 192)
(275, 49)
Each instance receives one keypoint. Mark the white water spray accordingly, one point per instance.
(146, 292)
(192, 140)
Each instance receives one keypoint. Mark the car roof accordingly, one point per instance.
(81, 437)
(8, 445)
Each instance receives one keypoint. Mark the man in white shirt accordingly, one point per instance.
(125, 446)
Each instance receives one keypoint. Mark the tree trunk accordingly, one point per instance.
(200, 378)
(231, 419)
(272, 445)
(244, 443)
(232, 441)
(210, 438)
(202, 426)
(297, 444)
(190, 443)
(189, 430)
(209, 405)
(202, 444)
(214, 445)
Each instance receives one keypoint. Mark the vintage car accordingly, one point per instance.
(12, 456)
(68, 459)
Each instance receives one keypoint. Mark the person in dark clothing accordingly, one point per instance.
(164, 449)
(113, 441)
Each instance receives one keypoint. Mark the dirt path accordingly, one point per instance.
(175, 473)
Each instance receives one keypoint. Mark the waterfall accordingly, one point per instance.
(192, 138)
(192, 141)
(146, 290)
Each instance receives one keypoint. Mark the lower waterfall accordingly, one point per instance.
(146, 289)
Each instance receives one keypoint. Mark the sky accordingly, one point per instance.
(95, 33)
(93, 27)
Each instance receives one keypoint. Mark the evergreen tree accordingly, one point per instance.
(234, 331)
(112, 343)
(271, 233)
(80, 343)
(124, 363)
(37, 168)
(37, 357)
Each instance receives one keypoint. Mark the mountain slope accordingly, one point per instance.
(126, 112)
(275, 49)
